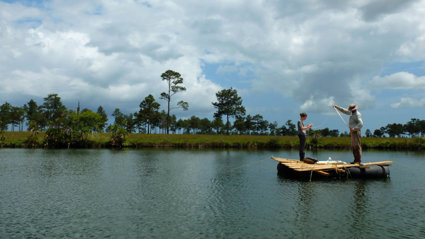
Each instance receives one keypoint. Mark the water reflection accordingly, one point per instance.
(304, 207)
(360, 208)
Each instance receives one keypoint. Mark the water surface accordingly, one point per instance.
(201, 194)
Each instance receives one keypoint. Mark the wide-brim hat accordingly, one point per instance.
(352, 107)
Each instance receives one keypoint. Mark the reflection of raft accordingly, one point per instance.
(299, 169)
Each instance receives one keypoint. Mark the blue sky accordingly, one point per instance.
(283, 57)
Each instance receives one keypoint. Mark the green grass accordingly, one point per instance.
(100, 140)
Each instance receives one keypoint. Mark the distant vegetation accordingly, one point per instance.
(203, 141)
(52, 125)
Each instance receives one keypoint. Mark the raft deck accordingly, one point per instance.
(334, 168)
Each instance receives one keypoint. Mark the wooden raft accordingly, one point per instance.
(301, 166)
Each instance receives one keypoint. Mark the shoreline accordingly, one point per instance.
(135, 140)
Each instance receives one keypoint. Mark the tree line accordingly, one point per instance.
(65, 127)
(413, 128)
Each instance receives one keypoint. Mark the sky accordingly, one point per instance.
(282, 57)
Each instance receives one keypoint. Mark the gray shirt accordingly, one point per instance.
(300, 126)
(355, 122)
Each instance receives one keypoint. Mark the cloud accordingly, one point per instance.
(331, 53)
(399, 81)
(407, 102)
(378, 8)
(113, 53)
(97, 63)
(413, 49)
(312, 104)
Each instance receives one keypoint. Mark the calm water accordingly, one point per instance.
(201, 194)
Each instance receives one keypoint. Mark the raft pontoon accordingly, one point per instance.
(331, 169)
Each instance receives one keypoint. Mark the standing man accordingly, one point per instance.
(355, 124)
(301, 133)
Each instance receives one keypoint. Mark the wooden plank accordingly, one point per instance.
(323, 173)
(314, 167)
(283, 160)
(382, 163)
(324, 168)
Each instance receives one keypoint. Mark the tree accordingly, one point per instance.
(180, 124)
(17, 117)
(162, 121)
(260, 125)
(248, 124)
(205, 126)
(58, 120)
(421, 125)
(90, 121)
(228, 104)
(325, 132)
(195, 124)
(104, 118)
(334, 133)
(217, 124)
(5, 116)
(118, 136)
(119, 117)
(80, 124)
(379, 132)
(34, 116)
(186, 126)
(173, 123)
(273, 128)
(282, 131)
(148, 113)
(174, 81)
(121, 120)
(394, 130)
(368, 133)
(239, 124)
(53, 110)
(412, 127)
(130, 122)
(291, 130)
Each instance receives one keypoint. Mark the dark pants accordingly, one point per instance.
(302, 145)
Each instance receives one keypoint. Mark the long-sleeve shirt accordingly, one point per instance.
(355, 122)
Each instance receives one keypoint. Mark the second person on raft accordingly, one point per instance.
(301, 133)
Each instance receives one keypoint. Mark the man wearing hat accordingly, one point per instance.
(355, 124)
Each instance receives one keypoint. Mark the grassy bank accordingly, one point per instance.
(101, 140)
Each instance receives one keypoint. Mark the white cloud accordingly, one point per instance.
(413, 49)
(314, 105)
(407, 102)
(113, 52)
(399, 81)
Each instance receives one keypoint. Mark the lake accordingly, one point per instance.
(202, 194)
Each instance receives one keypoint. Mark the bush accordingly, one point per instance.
(118, 136)
(32, 141)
